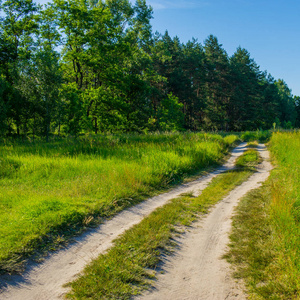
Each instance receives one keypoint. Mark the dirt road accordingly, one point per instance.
(197, 271)
(46, 280)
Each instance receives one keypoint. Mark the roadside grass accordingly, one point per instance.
(51, 191)
(265, 242)
(262, 136)
(128, 267)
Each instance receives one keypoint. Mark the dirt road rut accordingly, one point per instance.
(197, 271)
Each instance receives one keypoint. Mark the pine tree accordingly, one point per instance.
(217, 85)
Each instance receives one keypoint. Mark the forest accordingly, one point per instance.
(80, 66)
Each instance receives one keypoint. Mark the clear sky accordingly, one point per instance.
(268, 29)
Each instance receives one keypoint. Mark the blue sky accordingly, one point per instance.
(268, 29)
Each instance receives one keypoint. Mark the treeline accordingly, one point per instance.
(76, 66)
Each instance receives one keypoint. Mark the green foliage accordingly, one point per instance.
(287, 105)
(245, 105)
(71, 115)
(217, 85)
(262, 136)
(48, 190)
(297, 107)
(170, 115)
(3, 106)
(123, 78)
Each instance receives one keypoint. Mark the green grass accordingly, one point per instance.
(253, 144)
(262, 136)
(50, 191)
(250, 159)
(128, 267)
(266, 237)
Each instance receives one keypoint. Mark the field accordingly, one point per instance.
(50, 191)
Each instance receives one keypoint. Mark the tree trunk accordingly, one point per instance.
(96, 126)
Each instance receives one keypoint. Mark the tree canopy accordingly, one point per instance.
(76, 66)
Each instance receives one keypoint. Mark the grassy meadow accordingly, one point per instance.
(128, 267)
(49, 191)
(265, 242)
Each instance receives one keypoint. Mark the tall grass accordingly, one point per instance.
(266, 237)
(262, 136)
(51, 190)
(285, 214)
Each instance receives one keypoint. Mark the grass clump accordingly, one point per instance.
(250, 159)
(253, 144)
(128, 267)
(262, 136)
(50, 191)
(266, 237)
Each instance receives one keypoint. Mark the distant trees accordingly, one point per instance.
(79, 66)
(297, 104)
(220, 92)
(17, 31)
(288, 114)
(246, 104)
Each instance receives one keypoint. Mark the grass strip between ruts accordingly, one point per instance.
(126, 268)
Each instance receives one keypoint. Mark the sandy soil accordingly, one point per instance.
(46, 280)
(197, 270)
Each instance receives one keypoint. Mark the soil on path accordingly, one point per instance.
(45, 280)
(197, 270)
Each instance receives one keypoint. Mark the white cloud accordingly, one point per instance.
(164, 4)
(156, 5)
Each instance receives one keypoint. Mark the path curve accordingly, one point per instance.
(197, 271)
(45, 280)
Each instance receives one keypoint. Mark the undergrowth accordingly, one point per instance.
(128, 267)
(262, 136)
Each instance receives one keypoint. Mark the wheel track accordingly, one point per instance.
(197, 271)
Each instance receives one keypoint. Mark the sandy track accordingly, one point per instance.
(45, 281)
(197, 271)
